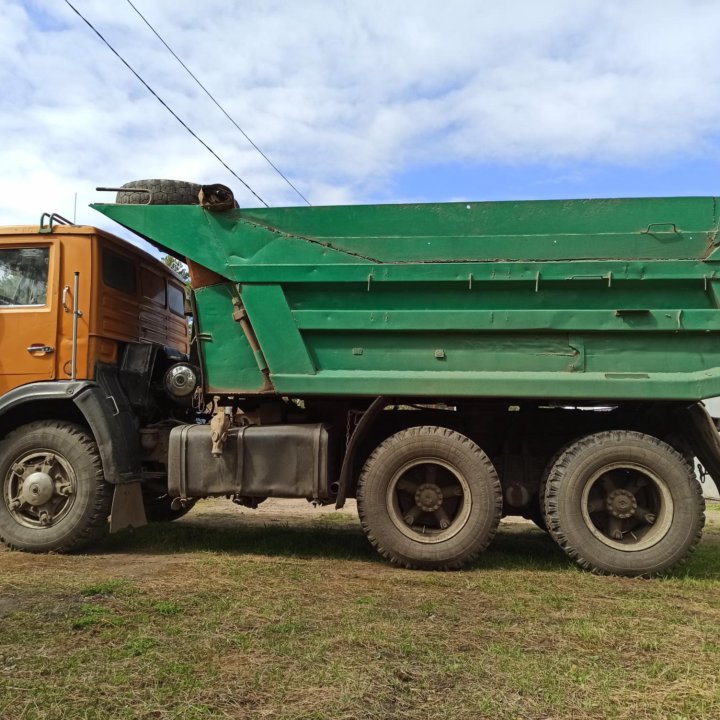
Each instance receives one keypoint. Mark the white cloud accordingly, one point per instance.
(342, 95)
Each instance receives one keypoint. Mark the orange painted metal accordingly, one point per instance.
(110, 316)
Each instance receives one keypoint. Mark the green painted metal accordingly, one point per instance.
(589, 299)
(229, 361)
(276, 330)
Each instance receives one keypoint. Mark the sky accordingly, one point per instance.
(360, 101)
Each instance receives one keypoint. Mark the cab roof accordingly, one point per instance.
(89, 231)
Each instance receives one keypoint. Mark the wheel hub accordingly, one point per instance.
(428, 497)
(37, 489)
(621, 503)
(429, 500)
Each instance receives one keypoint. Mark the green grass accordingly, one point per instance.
(293, 621)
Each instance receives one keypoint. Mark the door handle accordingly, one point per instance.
(40, 348)
(65, 293)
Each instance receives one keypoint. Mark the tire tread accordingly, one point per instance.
(560, 467)
(95, 526)
(376, 457)
(164, 192)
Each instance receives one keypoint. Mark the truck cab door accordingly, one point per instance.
(28, 311)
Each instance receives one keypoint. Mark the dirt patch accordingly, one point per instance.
(274, 512)
(164, 552)
(8, 605)
(127, 561)
(222, 513)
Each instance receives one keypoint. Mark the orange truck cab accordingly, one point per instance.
(90, 327)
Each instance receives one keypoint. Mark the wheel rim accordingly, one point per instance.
(429, 500)
(40, 489)
(627, 506)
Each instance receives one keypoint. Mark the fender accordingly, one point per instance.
(703, 437)
(106, 413)
(348, 463)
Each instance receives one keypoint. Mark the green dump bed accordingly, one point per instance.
(578, 300)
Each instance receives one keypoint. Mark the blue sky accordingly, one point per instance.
(363, 101)
(527, 181)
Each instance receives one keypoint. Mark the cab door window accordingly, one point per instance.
(24, 276)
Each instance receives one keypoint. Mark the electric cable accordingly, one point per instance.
(220, 107)
(161, 101)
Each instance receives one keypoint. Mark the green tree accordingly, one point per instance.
(177, 266)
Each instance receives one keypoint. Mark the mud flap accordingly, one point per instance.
(128, 508)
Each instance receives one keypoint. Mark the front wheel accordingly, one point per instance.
(53, 494)
(429, 497)
(624, 503)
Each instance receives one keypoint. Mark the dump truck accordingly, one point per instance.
(444, 364)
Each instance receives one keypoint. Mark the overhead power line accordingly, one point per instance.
(161, 101)
(220, 107)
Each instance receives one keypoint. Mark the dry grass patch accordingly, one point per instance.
(299, 619)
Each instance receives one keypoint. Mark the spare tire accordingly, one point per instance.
(158, 192)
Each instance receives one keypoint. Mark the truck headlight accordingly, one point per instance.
(180, 380)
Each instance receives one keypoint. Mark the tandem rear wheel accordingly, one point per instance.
(623, 502)
(429, 497)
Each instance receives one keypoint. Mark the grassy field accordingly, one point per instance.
(210, 617)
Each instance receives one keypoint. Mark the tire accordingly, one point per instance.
(625, 503)
(536, 511)
(429, 498)
(158, 508)
(53, 470)
(162, 192)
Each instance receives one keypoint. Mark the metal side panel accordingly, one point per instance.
(288, 461)
(230, 364)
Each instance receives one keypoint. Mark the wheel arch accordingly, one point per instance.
(702, 437)
(369, 433)
(36, 408)
(86, 404)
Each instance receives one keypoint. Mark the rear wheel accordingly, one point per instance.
(429, 497)
(53, 494)
(623, 502)
(536, 512)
